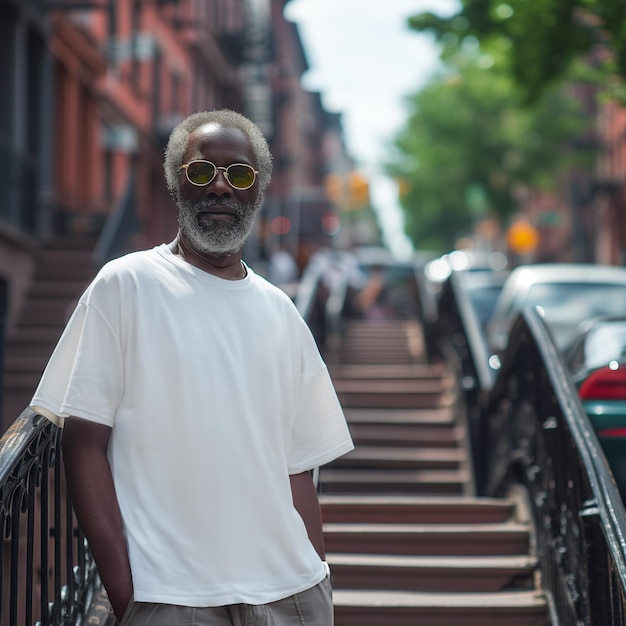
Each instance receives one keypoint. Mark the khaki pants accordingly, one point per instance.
(313, 607)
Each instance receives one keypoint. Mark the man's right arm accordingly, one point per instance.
(90, 484)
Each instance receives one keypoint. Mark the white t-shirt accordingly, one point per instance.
(216, 392)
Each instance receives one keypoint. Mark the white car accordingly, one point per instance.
(565, 294)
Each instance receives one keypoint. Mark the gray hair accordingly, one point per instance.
(179, 137)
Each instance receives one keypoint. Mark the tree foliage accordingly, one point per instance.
(469, 147)
(545, 36)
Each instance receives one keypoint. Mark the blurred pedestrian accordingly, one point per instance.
(195, 403)
(282, 268)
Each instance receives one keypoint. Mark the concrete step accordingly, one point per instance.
(387, 343)
(394, 387)
(64, 268)
(19, 381)
(389, 416)
(47, 311)
(368, 481)
(14, 401)
(391, 358)
(66, 264)
(427, 539)
(18, 363)
(35, 335)
(70, 243)
(42, 318)
(431, 573)
(29, 348)
(406, 541)
(379, 457)
(358, 396)
(397, 608)
(70, 288)
(412, 509)
(393, 371)
(373, 328)
(415, 436)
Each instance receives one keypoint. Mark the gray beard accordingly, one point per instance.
(215, 237)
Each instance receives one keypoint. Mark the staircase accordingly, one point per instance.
(63, 271)
(407, 542)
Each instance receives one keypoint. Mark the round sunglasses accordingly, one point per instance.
(238, 175)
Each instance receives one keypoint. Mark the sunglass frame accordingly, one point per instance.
(217, 168)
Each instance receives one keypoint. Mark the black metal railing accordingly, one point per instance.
(533, 431)
(457, 337)
(47, 574)
(536, 420)
(120, 225)
(321, 297)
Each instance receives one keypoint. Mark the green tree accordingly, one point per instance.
(545, 37)
(469, 147)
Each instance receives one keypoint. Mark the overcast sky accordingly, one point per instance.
(365, 61)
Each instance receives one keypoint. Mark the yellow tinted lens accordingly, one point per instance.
(240, 176)
(200, 172)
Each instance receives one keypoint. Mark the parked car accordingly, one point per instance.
(483, 289)
(565, 294)
(438, 269)
(597, 363)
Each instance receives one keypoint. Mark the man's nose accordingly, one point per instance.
(219, 185)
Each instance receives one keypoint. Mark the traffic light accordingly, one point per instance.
(335, 188)
(522, 237)
(358, 191)
(348, 192)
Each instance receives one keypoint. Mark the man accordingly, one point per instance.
(195, 403)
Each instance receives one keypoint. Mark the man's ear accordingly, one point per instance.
(259, 201)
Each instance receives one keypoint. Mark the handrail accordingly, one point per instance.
(532, 430)
(47, 574)
(455, 303)
(307, 289)
(321, 297)
(119, 226)
(462, 343)
(552, 449)
(321, 307)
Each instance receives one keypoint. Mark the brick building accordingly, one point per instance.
(609, 198)
(90, 92)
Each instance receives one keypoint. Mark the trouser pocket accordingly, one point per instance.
(127, 612)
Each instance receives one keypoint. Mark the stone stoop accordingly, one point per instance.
(63, 272)
(406, 540)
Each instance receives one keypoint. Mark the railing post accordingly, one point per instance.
(597, 565)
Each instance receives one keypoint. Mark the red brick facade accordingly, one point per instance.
(90, 95)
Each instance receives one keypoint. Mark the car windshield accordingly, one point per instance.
(578, 301)
(483, 300)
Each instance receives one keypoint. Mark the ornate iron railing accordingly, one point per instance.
(533, 431)
(47, 574)
(546, 442)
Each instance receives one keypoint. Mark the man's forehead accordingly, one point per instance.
(211, 137)
(208, 128)
(215, 131)
(215, 134)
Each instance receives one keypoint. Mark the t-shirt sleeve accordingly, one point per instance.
(84, 376)
(320, 432)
